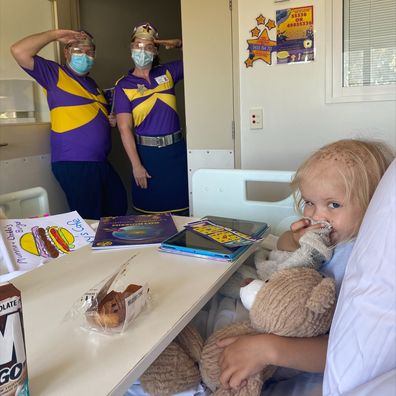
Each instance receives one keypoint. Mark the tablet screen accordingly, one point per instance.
(190, 240)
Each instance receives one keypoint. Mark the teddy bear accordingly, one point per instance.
(295, 302)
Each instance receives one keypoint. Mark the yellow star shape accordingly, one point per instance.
(260, 19)
(249, 62)
(265, 47)
(255, 32)
(270, 24)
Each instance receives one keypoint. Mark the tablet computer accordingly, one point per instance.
(189, 243)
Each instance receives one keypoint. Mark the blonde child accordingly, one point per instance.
(335, 184)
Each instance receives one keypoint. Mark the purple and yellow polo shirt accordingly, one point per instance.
(152, 105)
(80, 129)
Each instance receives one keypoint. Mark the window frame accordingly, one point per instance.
(335, 91)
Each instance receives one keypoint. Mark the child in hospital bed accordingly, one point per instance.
(335, 184)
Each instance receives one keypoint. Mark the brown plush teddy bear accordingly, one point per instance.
(296, 302)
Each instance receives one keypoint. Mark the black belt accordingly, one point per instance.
(159, 141)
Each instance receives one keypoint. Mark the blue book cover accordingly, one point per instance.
(133, 231)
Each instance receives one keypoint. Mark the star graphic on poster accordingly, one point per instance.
(270, 24)
(249, 62)
(260, 48)
(255, 32)
(141, 88)
(260, 19)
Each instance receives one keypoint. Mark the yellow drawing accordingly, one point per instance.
(49, 242)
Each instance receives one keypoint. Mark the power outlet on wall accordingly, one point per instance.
(256, 118)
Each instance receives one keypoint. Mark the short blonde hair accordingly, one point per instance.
(360, 163)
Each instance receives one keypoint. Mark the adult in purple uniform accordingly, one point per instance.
(145, 104)
(80, 127)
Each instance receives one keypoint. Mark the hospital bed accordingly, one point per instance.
(361, 357)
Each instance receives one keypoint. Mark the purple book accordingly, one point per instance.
(133, 231)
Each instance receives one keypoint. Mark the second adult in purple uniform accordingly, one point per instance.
(80, 128)
(145, 104)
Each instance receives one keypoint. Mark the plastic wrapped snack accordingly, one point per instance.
(111, 305)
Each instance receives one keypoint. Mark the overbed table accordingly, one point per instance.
(65, 360)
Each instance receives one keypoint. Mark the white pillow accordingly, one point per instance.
(362, 342)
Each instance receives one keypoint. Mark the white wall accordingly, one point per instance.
(25, 160)
(18, 19)
(296, 118)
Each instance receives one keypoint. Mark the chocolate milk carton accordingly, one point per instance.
(13, 370)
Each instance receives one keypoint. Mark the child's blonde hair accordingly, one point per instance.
(360, 163)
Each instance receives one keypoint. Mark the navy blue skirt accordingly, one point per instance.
(167, 190)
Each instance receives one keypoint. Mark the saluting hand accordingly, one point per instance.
(171, 43)
(69, 36)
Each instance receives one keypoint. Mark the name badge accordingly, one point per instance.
(161, 79)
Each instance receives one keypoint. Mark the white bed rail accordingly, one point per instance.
(223, 192)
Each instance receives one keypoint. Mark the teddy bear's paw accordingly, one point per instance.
(173, 371)
(209, 363)
(252, 387)
(191, 342)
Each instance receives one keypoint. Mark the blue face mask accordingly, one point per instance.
(81, 63)
(142, 58)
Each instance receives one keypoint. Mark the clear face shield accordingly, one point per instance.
(81, 49)
(143, 53)
(148, 46)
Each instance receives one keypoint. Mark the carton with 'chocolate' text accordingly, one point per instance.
(13, 369)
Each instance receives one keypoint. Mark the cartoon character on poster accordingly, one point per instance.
(262, 45)
(295, 37)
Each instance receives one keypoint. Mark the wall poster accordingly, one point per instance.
(295, 37)
(261, 45)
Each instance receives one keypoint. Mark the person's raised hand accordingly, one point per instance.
(300, 227)
(290, 240)
(69, 36)
(171, 43)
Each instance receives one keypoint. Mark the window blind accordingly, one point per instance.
(369, 50)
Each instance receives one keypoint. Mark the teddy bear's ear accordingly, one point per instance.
(323, 296)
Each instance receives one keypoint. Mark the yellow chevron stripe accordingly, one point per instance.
(134, 93)
(69, 85)
(141, 111)
(65, 118)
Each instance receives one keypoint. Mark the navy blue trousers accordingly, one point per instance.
(93, 189)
